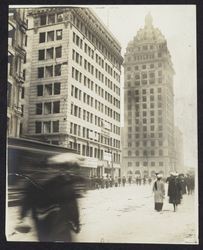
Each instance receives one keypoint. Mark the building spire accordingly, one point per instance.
(148, 20)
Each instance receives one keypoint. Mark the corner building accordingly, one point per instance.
(148, 104)
(74, 92)
(17, 26)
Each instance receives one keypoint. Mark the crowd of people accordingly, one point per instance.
(96, 182)
(178, 185)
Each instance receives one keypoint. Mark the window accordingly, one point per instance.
(39, 90)
(47, 108)
(137, 164)
(9, 91)
(58, 52)
(41, 54)
(47, 127)
(160, 152)
(38, 127)
(161, 164)
(22, 93)
(51, 18)
(40, 72)
(50, 36)
(59, 35)
(58, 70)
(143, 66)
(55, 126)
(39, 109)
(43, 20)
(49, 71)
(57, 88)
(42, 37)
(50, 53)
(59, 17)
(56, 107)
(48, 89)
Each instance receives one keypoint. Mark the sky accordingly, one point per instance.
(178, 24)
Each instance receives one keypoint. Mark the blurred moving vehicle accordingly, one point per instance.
(27, 161)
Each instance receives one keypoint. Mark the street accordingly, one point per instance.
(125, 215)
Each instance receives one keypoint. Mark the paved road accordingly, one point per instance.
(126, 215)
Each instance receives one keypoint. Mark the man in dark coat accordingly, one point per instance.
(174, 190)
(54, 208)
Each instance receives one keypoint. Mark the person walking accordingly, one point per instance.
(159, 193)
(54, 208)
(174, 190)
(123, 181)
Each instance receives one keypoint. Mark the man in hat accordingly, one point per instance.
(174, 190)
(52, 200)
(159, 193)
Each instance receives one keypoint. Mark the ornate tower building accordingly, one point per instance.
(148, 105)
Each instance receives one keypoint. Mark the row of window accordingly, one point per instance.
(49, 89)
(50, 53)
(144, 66)
(46, 127)
(145, 106)
(145, 164)
(146, 143)
(49, 71)
(47, 108)
(50, 36)
(79, 42)
(150, 98)
(87, 133)
(145, 75)
(145, 135)
(77, 75)
(77, 93)
(97, 43)
(147, 47)
(51, 18)
(143, 57)
(146, 153)
(147, 91)
(144, 128)
(145, 82)
(89, 117)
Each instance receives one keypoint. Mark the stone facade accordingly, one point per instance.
(74, 86)
(148, 104)
(16, 53)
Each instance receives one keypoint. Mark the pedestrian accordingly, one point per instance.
(53, 206)
(183, 183)
(123, 181)
(159, 193)
(116, 181)
(119, 181)
(130, 179)
(174, 190)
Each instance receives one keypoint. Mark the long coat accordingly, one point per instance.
(54, 209)
(159, 191)
(174, 190)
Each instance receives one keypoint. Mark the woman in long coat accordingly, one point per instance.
(159, 193)
(174, 191)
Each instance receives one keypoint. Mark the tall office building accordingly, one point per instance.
(148, 104)
(74, 84)
(178, 142)
(17, 27)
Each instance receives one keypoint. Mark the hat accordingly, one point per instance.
(174, 174)
(159, 176)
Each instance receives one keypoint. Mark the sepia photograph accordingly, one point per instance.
(102, 124)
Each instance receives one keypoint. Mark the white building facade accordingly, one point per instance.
(149, 105)
(74, 85)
